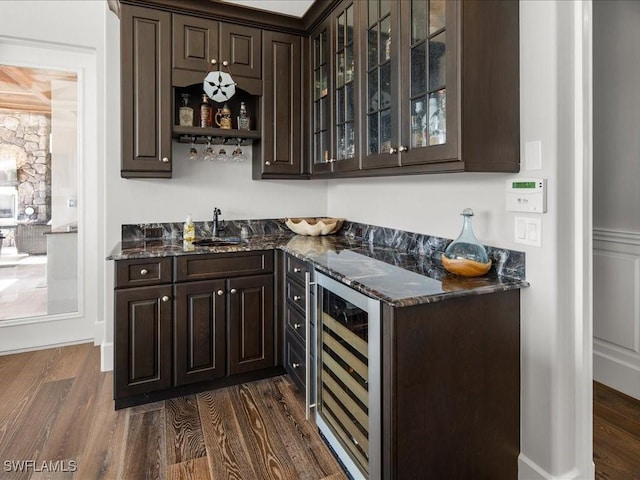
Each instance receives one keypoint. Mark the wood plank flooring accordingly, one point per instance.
(56, 406)
(616, 434)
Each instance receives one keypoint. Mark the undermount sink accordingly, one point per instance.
(218, 242)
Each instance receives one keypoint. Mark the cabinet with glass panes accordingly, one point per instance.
(442, 90)
(335, 123)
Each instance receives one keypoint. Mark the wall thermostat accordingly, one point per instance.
(527, 195)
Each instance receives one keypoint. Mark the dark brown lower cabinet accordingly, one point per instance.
(250, 323)
(205, 327)
(451, 388)
(143, 322)
(199, 331)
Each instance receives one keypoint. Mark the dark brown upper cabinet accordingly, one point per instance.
(242, 47)
(198, 41)
(334, 53)
(146, 92)
(280, 152)
(436, 88)
(195, 42)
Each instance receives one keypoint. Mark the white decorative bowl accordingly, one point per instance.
(314, 226)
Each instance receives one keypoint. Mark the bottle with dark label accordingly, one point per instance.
(205, 112)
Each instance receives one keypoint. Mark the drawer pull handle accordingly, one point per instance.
(295, 365)
(233, 291)
(144, 271)
(296, 298)
(220, 292)
(166, 298)
(296, 270)
(296, 326)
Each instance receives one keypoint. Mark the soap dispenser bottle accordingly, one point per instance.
(189, 230)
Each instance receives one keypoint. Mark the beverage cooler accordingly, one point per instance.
(348, 408)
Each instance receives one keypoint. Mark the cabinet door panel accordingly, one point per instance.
(429, 107)
(250, 330)
(195, 42)
(282, 125)
(146, 92)
(142, 340)
(199, 329)
(242, 48)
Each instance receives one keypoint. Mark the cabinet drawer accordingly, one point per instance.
(142, 272)
(296, 295)
(296, 269)
(294, 361)
(295, 323)
(223, 265)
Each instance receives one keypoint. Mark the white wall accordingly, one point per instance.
(616, 188)
(431, 204)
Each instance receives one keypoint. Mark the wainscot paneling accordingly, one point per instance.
(616, 310)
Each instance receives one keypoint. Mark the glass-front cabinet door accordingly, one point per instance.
(380, 91)
(335, 122)
(321, 106)
(429, 96)
(345, 121)
(410, 96)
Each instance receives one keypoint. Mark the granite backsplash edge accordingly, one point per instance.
(506, 263)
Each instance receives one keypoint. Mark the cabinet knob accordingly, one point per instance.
(332, 160)
(220, 292)
(213, 61)
(402, 148)
(144, 271)
(296, 298)
(164, 159)
(233, 291)
(166, 298)
(295, 365)
(267, 163)
(296, 326)
(296, 270)
(393, 150)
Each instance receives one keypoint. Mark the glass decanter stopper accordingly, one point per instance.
(466, 256)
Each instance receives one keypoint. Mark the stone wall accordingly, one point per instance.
(25, 138)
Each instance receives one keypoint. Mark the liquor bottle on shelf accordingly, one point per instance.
(186, 112)
(244, 122)
(205, 112)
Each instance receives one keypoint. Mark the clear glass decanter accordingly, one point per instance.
(466, 256)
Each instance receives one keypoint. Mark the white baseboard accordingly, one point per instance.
(106, 356)
(529, 470)
(616, 373)
(45, 347)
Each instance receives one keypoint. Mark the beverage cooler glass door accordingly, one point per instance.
(349, 376)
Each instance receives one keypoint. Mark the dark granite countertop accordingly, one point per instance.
(386, 273)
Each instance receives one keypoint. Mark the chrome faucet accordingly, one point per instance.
(218, 225)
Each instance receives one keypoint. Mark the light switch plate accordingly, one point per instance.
(528, 231)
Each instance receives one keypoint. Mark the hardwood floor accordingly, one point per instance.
(616, 434)
(56, 407)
